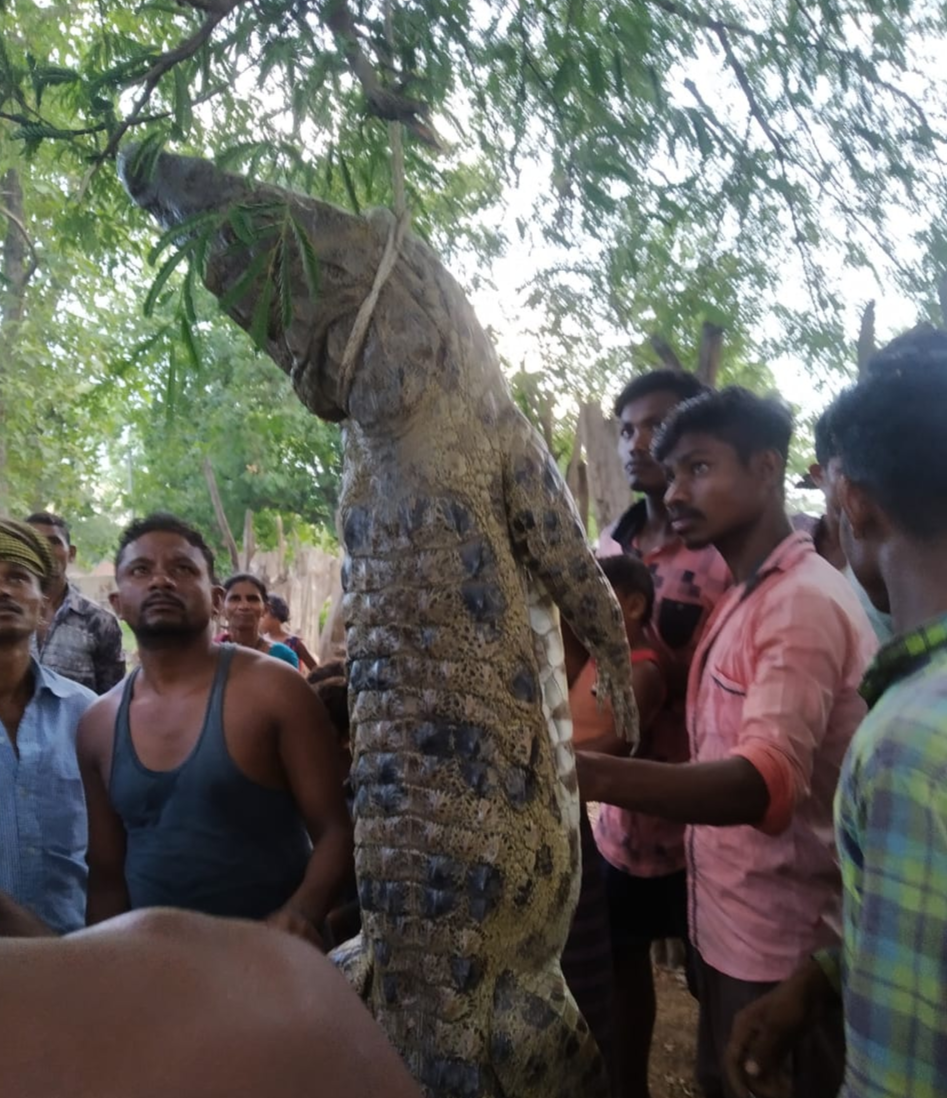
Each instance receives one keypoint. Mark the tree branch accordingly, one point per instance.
(665, 352)
(30, 270)
(164, 64)
(385, 103)
(221, 514)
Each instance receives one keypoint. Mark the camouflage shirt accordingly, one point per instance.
(83, 643)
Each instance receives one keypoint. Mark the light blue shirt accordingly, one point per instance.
(43, 825)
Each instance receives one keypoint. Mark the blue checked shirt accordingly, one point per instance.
(891, 830)
(43, 828)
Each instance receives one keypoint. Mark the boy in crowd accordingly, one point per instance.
(891, 806)
(644, 855)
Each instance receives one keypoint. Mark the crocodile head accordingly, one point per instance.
(406, 347)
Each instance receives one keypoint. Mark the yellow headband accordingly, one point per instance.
(20, 544)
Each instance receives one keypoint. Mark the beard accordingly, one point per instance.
(162, 632)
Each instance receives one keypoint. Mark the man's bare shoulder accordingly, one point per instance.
(98, 722)
(268, 680)
(232, 1009)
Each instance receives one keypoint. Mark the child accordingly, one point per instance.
(587, 959)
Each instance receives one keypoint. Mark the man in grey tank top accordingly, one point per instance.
(211, 773)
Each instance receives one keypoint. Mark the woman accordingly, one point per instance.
(274, 628)
(244, 606)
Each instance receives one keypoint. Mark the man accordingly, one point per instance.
(164, 1002)
(772, 704)
(891, 806)
(825, 532)
(211, 774)
(76, 638)
(644, 855)
(42, 811)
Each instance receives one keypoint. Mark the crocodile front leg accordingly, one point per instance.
(548, 536)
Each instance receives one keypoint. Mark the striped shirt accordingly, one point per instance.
(891, 827)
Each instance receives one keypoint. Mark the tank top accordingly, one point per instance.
(203, 836)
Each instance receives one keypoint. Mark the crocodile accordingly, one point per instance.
(462, 546)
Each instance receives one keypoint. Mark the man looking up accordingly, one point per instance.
(891, 806)
(42, 811)
(644, 855)
(212, 774)
(772, 704)
(77, 638)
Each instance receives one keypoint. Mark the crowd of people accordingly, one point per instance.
(785, 816)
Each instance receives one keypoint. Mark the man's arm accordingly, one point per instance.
(107, 893)
(799, 651)
(309, 756)
(723, 793)
(764, 1033)
(109, 657)
(18, 922)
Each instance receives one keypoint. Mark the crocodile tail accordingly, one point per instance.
(356, 965)
(540, 1045)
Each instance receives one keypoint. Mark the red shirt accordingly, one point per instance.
(688, 583)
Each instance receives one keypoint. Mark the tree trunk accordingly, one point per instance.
(708, 357)
(16, 271)
(942, 297)
(221, 516)
(607, 487)
(866, 336)
(666, 352)
(577, 475)
(249, 540)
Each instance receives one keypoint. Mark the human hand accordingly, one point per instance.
(293, 921)
(763, 1034)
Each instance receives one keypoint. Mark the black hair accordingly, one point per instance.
(335, 669)
(888, 432)
(683, 385)
(825, 448)
(247, 577)
(747, 422)
(47, 518)
(334, 695)
(629, 575)
(162, 522)
(923, 348)
(279, 608)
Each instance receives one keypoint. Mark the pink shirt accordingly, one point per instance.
(687, 585)
(775, 680)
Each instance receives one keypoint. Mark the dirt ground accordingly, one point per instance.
(675, 1038)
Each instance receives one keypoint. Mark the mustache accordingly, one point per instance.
(159, 600)
(9, 604)
(675, 513)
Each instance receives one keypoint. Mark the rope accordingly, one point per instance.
(389, 256)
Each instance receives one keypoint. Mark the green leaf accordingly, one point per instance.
(349, 184)
(183, 114)
(161, 278)
(308, 257)
(245, 283)
(190, 344)
(260, 324)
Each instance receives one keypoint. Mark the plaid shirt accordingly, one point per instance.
(891, 825)
(83, 643)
